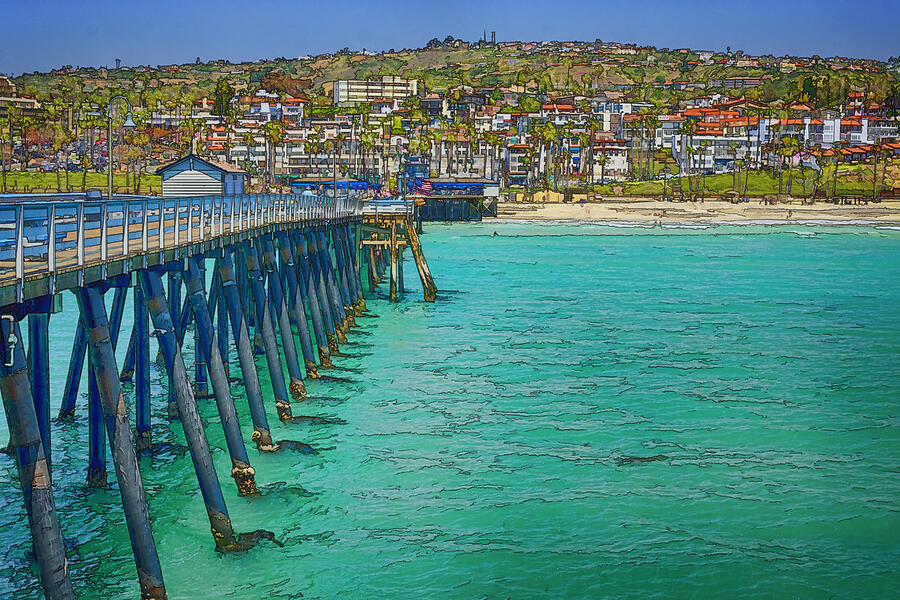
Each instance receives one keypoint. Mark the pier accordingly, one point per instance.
(280, 275)
(390, 226)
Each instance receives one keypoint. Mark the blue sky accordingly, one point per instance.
(41, 35)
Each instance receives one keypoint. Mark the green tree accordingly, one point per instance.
(222, 96)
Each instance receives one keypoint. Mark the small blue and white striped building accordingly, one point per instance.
(195, 176)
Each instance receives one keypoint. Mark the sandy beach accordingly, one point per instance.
(643, 210)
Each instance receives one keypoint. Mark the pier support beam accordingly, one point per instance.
(370, 270)
(34, 473)
(309, 293)
(127, 373)
(241, 470)
(231, 295)
(327, 292)
(142, 435)
(395, 273)
(289, 268)
(201, 387)
(218, 303)
(96, 475)
(103, 366)
(219, 521)
(39, 359)
(340, 316)
(76, 366)
(342, 276)
(351, 249)
(174, 281)
(264, 326)
(97, 471)
(424, 272)
(278, 306)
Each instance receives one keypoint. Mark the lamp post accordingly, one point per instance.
(129, 124)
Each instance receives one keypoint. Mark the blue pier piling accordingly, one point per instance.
(325, 305)
(97, 471)
(395, 275)
(142, 435)
(355, 286)
(31, 463)
(264, 326)
(290, 295)
(400, 281)
(289, 269)
(326, 297)
(220, 523)
(309, 295)
(342, 323)
(201, 387)
(131, 488)
(127, 374)
(217, 306)
(39, 367)
(96, 474)
(115, 314)
(343, 236)
(174, 281)
(241, 470)
(354, 240)
(343, 282)
(370, 269)
(349, 241)
(278, 306)
(73, 379)
(230, 292)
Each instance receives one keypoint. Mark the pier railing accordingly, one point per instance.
(44, 236)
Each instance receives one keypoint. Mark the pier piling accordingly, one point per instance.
(241, 470)
(34, 472)
(39, 367)
(231, 294)
(220, 523)
(142, 434)
(309, 293)
(278, 306)
(289, 267)
(264, 327)
(112, 403)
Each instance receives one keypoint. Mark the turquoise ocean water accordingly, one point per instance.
(487, 442)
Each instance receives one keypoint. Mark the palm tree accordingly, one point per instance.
(733, 146)
(888, 154)
(273, 132)
(499, 143)
(602, 158)
(838, 158)
(248, 140)
(686, 130)
(701, 178)
(789, 147)
(651, 122)
(5, 137)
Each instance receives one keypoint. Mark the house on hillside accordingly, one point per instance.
(195, 176)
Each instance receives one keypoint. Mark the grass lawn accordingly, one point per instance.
(759, 183)
(34, 181)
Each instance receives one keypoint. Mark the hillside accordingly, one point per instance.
(646, 73)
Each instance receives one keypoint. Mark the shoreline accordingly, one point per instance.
(654, 212)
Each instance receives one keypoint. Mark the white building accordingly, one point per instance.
(355, 91)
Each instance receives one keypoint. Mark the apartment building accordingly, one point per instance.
(349, 92)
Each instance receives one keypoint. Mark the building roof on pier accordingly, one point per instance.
(221, 165)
